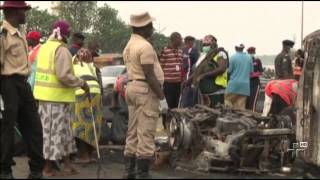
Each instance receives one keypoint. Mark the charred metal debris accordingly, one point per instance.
(204, 139)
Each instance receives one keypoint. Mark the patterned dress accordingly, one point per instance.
(82, 124)
(58, 140)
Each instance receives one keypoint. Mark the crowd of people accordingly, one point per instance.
(53, 91)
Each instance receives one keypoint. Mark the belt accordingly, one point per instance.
(141, 80)
(16, 77)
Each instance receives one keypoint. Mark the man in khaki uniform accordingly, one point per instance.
(144, 96)
(18, 104)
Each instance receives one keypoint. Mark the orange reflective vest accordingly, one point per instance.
(283, 88)
(33, 53)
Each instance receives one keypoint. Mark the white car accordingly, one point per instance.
(109, 76)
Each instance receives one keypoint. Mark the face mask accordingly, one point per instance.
(99, 52)
(206, 49)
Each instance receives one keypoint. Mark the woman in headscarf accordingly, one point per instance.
(84, 107)
(55, 86)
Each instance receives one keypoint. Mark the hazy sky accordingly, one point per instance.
(260, 24)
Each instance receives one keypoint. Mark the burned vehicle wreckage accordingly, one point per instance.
(205, 139)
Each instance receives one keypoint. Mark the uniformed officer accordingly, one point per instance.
(283, 65)
(19, 103)
(144, 96)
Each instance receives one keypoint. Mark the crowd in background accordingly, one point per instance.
(67, 89)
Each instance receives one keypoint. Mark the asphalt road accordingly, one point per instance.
(112, 167)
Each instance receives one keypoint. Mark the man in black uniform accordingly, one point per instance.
(18, 101)
(283, 65)
(77, 43)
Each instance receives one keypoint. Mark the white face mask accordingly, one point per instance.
(99, 52)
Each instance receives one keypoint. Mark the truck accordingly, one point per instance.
(308, 101)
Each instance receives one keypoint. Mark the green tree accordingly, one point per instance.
(159, 41)
(111, 31)
(40, 20)
(80, 14)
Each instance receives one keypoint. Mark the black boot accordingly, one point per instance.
(6, 176)
(34, 175)
(143, 168)
(130, 168)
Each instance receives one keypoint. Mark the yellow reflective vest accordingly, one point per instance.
(221, 80)
(86, 69)
(47, 86)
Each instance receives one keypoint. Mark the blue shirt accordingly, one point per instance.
(239, 70)
(32, 77)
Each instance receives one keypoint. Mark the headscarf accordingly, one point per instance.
(60, 29)
(83, 55)
(64, 27)
(56, 34)
(208, 39)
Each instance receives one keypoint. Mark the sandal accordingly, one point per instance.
(80, 161)
(53, 173)
(68, 172)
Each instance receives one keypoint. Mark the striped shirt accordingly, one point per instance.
(171, 63)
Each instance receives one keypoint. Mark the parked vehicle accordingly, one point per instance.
(109, 76)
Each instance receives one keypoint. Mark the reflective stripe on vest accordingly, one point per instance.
(284, 88)
(86, 70)
(221, 80)
(47, 86)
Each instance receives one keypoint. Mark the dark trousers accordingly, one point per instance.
(254, 83)
(216, 100)
(172, 94)
(20, 108)
(278, 104)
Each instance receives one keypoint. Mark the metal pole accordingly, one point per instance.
(302, 13)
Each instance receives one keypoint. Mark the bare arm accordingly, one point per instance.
(152, 80)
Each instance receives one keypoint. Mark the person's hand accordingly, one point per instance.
(164, 106)
(86, 89)
(186, 83)
(199, 78)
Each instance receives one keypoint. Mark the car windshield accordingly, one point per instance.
(112, 71)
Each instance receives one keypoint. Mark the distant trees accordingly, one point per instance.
(81, 14)
(99, 23)
(111, 31)
(40, 20)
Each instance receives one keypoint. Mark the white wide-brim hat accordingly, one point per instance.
(140, 20)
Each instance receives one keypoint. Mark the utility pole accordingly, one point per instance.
(161, 30)
(302, 14)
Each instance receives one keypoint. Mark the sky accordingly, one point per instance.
(261, 24)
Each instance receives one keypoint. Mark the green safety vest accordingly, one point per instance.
(47, 86)
(221, 80)
(87, 70)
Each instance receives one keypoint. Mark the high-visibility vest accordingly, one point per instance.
(283, 88)
(221, 80)
(47, 86)
(86, 69)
